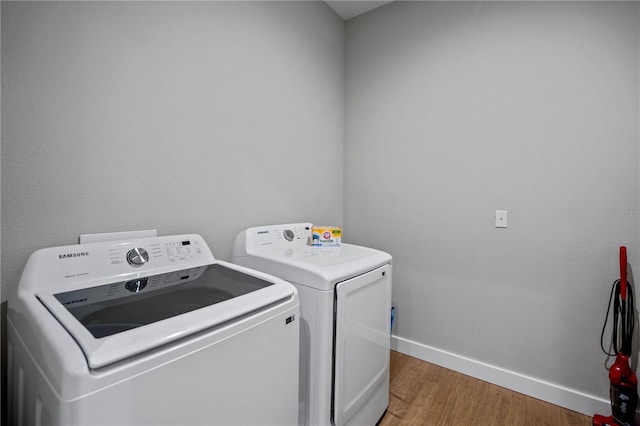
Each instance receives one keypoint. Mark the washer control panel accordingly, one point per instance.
(155, 252)
(128, 259)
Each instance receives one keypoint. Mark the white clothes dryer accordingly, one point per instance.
(345, 305)
(150, 331)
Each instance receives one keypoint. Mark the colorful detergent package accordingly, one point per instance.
(326, 236)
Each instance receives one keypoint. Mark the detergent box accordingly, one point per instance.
(326, 236)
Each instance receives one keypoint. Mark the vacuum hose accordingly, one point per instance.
(623, 319)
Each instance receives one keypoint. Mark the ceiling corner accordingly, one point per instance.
(348, 9)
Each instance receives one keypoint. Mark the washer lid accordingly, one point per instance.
(117, 320)
(317, 267)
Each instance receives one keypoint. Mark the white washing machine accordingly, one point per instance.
(150, 331)
(345, 304)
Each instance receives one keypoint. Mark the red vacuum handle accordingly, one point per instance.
(623, 273)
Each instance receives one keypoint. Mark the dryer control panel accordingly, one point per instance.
(284, 236)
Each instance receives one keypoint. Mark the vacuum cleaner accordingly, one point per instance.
(624, 384)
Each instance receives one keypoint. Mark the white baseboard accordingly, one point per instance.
(565, 397)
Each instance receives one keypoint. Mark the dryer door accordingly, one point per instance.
(362, 344)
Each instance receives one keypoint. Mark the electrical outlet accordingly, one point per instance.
(501, 218)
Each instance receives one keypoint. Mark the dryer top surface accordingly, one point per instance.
(267, 249)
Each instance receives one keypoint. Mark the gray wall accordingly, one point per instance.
(201, 117)
(210, 117)
(455, 110)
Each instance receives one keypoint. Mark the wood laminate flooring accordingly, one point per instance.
(422, 393)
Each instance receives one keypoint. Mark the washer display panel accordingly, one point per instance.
(117, 307)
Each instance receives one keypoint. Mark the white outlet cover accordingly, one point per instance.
(501, 218)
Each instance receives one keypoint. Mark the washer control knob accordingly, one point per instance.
(137, 257)
(288, 235)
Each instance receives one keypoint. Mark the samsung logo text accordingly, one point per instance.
(71, 255)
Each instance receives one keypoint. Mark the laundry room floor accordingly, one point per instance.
(426, 394)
